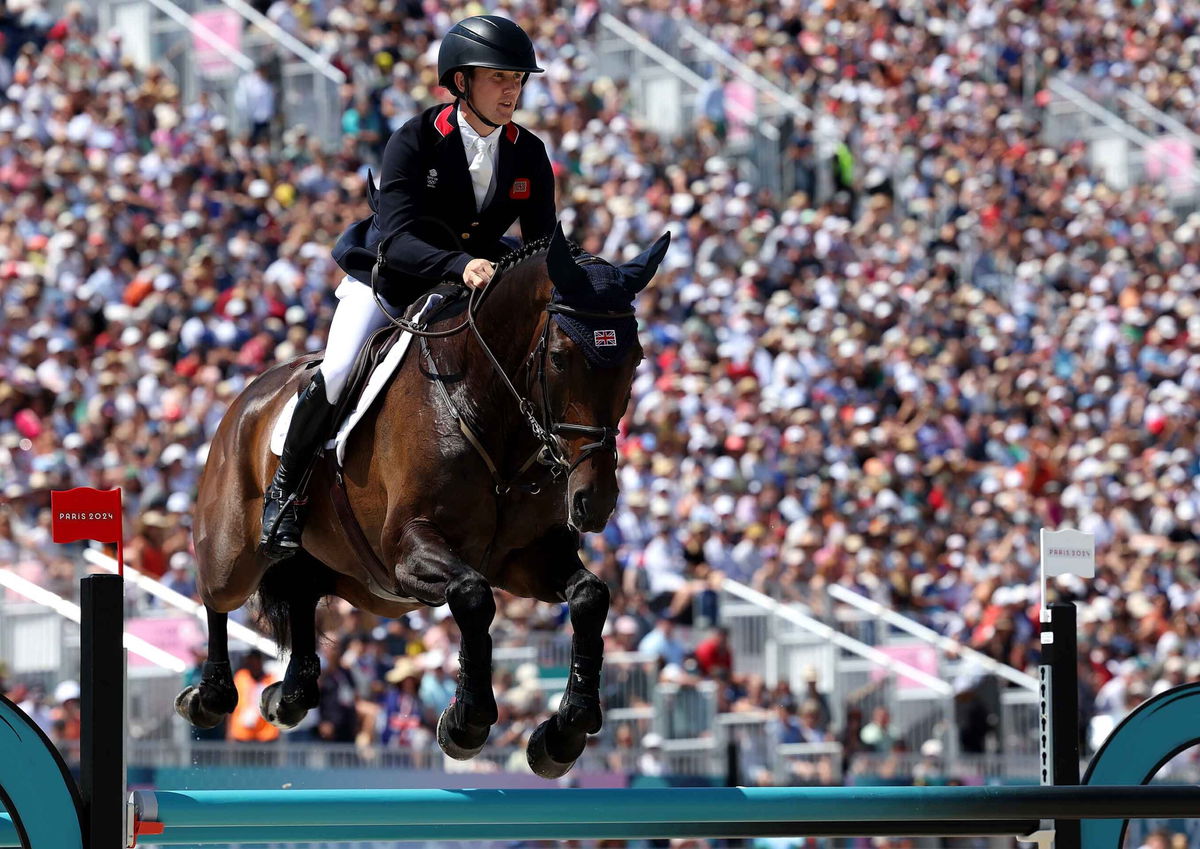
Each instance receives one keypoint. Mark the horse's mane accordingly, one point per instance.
(540, 246)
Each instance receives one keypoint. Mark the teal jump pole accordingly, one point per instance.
(505, 814)
(577, 831)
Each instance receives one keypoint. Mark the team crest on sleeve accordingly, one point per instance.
(520, 189)
(605, 338)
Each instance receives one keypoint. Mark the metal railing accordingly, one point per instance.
(658, 81)
(945, 645)
(69, 610)
(40, 647)
(1110, 122)
(307, 86)
(781, 642)
(824, 632)
(817, 764)
(287, 41)
(151, 587)
(692, 37)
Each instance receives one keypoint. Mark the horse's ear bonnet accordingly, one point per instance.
(568, 278)
(639, 271)
(600, 287)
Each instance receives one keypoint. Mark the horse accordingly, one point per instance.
(480, 465)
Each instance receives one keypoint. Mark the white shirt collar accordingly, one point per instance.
(471, 138)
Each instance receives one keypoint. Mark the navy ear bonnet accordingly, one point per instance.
(604, 341)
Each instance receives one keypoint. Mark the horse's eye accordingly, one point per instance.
(558, 360)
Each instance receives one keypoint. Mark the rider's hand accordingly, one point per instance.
(478, 273)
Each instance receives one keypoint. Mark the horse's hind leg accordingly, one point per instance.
(297, 583)
(204, 706)
(430, 570)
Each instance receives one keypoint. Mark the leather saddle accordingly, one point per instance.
(444, 301)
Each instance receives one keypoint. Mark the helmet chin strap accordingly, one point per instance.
(478, 115)
(466, 98)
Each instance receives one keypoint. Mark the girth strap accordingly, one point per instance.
(351, 527)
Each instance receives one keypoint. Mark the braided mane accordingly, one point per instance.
(538, 246)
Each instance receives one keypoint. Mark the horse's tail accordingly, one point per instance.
(300, 580)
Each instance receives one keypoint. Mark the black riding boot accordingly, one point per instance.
(283, 501)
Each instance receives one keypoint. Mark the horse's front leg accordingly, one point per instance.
(559, 741)
(430, 571)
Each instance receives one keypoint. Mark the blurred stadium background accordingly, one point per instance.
(934, 286)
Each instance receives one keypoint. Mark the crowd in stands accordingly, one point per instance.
(831, 395)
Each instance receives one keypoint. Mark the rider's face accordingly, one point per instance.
(494, 93)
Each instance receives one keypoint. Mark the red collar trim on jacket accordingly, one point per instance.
(444, 125)
(442, 122)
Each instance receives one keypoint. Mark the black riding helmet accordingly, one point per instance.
(485, 41)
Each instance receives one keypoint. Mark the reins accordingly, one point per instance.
(551, 449)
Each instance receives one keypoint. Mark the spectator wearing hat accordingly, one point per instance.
(182, 575)
(407, 722)
(65, 719)
(651, 761)
(145, 552)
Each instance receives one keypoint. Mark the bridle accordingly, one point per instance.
(546, 429)
(541, 422)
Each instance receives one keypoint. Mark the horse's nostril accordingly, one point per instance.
(579, 506)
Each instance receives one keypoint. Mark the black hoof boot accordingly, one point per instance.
(459, 740)
(189, 705)
(551, 751)
(278, 711)
(206, 705)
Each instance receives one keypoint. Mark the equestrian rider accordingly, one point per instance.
(454, 180)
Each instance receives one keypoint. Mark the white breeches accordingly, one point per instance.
(356, 317)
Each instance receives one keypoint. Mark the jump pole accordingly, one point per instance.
(220, 816)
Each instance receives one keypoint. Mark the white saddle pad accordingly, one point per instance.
(375, 384)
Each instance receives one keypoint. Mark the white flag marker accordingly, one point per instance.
(1066, 552)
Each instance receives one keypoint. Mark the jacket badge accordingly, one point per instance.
(520, 189)
(431, 178)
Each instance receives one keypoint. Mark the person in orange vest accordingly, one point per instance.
(247, 724)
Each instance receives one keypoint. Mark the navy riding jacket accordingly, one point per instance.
(426, 203)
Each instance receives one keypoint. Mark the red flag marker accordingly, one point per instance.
(86, 513)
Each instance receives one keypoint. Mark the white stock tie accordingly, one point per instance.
(481, 168)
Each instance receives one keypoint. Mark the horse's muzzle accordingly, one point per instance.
(587, 513)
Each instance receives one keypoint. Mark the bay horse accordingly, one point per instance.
(480, 465)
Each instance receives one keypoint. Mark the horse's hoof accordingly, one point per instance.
(449, 746)
(542, 762)
(189, 706)
(281, 714)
